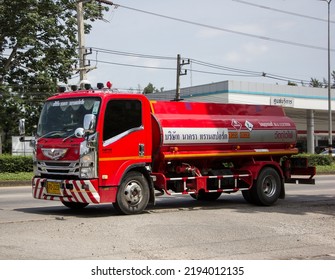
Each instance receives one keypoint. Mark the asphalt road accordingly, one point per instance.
(300, 227)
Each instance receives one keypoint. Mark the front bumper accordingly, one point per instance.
(81, 191)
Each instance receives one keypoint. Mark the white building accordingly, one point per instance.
(307, 106)
(21, 148)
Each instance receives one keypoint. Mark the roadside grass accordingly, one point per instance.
(19, 176)
(325, 169)
(27, 176)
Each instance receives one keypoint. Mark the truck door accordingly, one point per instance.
(126, 138)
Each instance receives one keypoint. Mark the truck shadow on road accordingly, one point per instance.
(292, 205)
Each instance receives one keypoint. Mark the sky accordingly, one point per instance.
(138, 42)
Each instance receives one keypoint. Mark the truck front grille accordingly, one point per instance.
(67, 168)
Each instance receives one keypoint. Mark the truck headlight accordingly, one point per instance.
(88, 166)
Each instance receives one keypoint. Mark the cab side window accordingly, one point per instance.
(121, 116)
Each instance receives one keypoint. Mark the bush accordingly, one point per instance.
(317, 160)
(14, 164)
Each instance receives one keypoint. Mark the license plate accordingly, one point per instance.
(53, 187)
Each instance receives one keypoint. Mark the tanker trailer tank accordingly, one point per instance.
(205, 149)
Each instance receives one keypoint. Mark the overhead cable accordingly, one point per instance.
(240, 72)
(281, 11)
(132, 54)
(266, 38)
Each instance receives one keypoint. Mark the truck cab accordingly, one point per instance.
(79, 163)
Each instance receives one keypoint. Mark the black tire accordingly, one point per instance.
(74, 205)
(133, 194)
(266, 189)
(247, 196)
(206, 196)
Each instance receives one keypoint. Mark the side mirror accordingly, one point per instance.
(89, 123)
(22, 126)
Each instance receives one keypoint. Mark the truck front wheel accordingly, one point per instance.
(266, 189)
(133, 194)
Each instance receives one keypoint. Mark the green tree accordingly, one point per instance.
(149, 89)
(38, 49)
(289, 83)
(333, 77)
(10, 112)
(315, 83)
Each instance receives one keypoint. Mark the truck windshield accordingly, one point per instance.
(60, 118)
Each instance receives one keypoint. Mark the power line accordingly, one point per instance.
(236, 72)
(240, 72)
(281, 11)
(134, 65)
(245, 73)
(132, 54)
(266, 38)
(222, 74)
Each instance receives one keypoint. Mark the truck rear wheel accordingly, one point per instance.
(266, 189)
(133, 194)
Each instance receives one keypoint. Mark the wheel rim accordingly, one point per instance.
(133, 193)
(269, 186)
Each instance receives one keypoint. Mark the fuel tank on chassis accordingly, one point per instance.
(199, 128)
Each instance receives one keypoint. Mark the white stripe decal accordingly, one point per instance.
(77, 194)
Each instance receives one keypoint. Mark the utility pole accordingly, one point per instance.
(330, 120)
(81, 40)
(180, 73)
(83, 68)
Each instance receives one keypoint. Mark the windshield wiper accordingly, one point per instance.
(71, 135)
(51, 132)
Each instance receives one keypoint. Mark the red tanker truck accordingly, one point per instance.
(98, 146)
